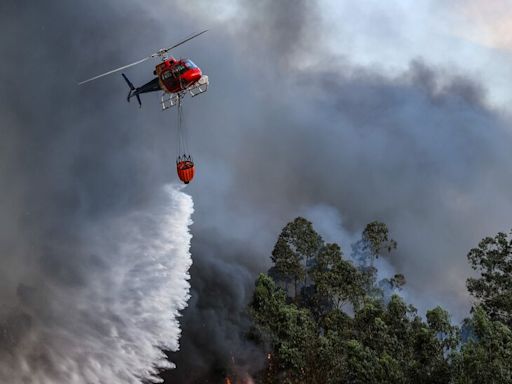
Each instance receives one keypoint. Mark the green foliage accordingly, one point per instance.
(297, 244)
(315, 340)
(343, 327)
(290, 330)
(493, 259)
(487, 357)
(374, 243)
(395, 282)
(336, 280)
(376, 238)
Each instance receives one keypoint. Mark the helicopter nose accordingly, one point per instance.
(192, 75)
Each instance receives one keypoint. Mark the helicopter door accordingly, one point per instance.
(169, 80)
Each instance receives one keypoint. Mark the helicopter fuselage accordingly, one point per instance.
(175, 76)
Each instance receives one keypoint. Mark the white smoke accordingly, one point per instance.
(111, 328)
(328, 222)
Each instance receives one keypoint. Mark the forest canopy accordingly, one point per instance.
(324, 318)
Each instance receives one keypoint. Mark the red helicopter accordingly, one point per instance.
(175, 78)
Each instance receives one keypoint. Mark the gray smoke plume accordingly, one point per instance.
(94, 249)
(287, 126)
(422, 151)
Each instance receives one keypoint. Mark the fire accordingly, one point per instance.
(240, 380)
(237, 374)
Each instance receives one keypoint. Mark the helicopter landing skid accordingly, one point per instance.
(169, 100)
(200, 87)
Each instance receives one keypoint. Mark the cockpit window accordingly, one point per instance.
(179, 69)
(189, 64)
(166, 75)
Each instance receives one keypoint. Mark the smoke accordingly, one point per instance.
(94, 250)
(308, 132)
(107, 318)
(287, 126)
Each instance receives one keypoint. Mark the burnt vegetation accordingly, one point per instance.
(320, 317)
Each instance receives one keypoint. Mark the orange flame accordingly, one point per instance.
(246, 380)
(237, 374)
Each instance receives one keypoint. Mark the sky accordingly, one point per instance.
(341, 112)
(467, 37)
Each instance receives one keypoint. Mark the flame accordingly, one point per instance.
(240, 379)
(246, 380)
(237, 374)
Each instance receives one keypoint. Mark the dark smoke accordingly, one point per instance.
(421, 151)
(94, 255)
(287, 126)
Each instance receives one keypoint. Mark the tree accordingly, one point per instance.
(296, 248)
(290, 331)
(374, 242)
(487, 356)
(338, 330)
(336, 280)
(395, 282)
(493, 289)
(376, 234)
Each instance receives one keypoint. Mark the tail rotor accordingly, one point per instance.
(133, 90)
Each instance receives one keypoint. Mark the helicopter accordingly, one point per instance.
(175, 77)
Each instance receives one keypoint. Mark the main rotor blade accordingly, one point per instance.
(165, 50)
(115, 70)
(160, 53)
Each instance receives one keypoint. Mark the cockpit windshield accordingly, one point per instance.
(178, 69)
(189, 64)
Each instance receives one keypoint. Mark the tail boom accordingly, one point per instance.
(151, 86)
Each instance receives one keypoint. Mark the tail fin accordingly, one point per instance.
(133, 90)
